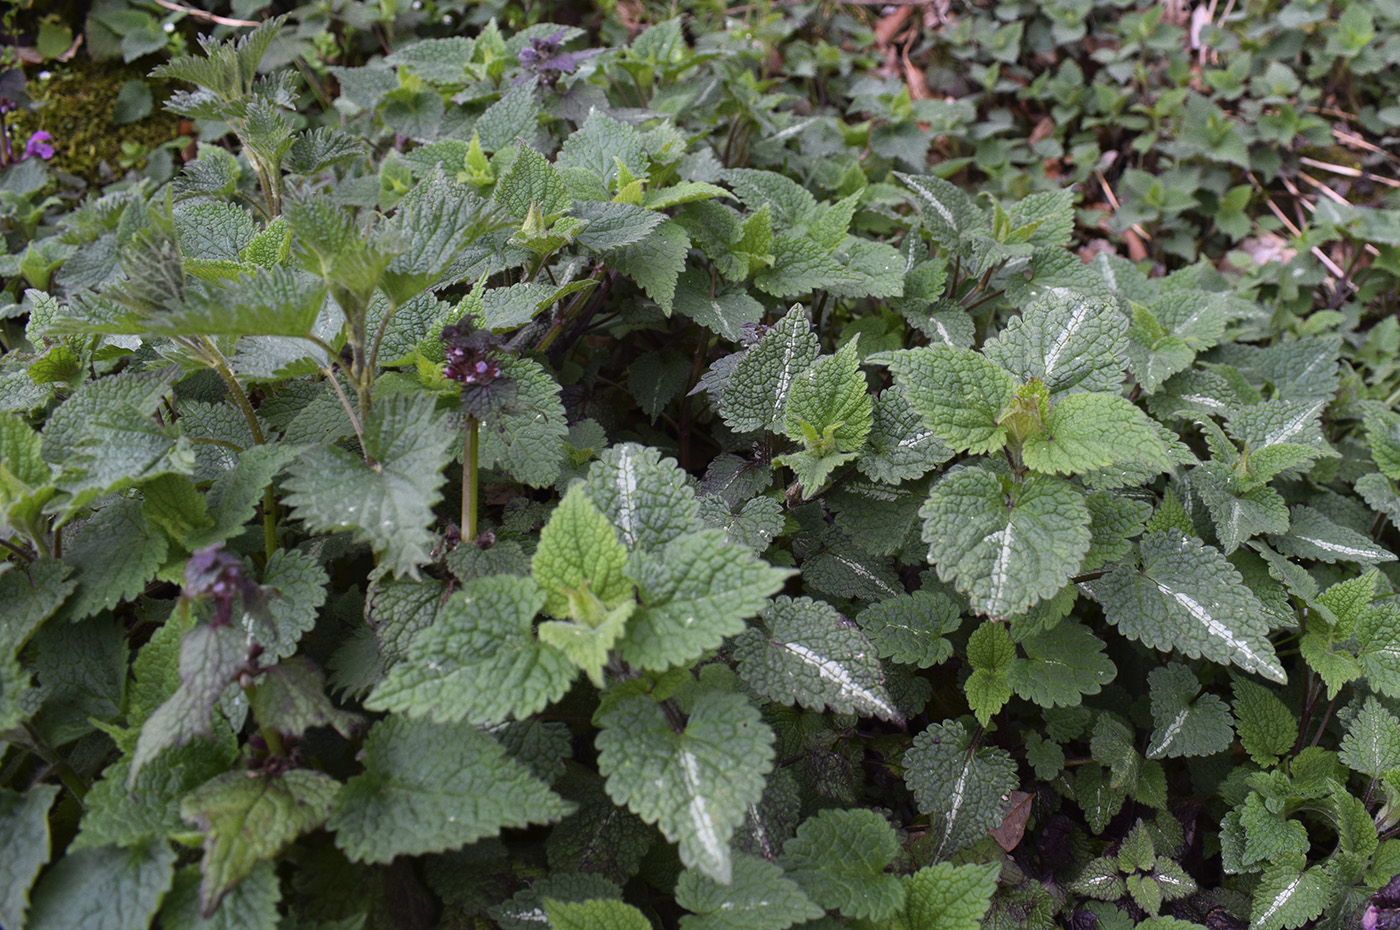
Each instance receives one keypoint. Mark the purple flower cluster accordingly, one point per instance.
(38, 146)
(470, 355)
(547, 59)
(219, 575)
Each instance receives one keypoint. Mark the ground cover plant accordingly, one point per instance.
(917, 467)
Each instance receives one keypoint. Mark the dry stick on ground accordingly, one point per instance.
(1320, 255)
(1114, 203)
(201, 14)
(1349, 172)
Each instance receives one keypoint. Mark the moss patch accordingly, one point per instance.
(76, 109)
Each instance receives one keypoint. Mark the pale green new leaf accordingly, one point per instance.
(248, 820)
(756, 394)
(1068, 341)
(991, 653)
(1186, 723)
(1061, 665)
(1089, 431)
(24, 847)
(598, 914)
(959, 786)
(480, 661)
(959, 393)
(1372, 742)
(1005, 545)
(803, 652)
(1187, 597)
(692, 594)
(103, 888)
(950, 897)
(389, 503)
(1267, 728)
(531, 180)
(761, 897)
(695, 785)
(431, 787)
(839, 857)
(829, 408)
(579, 556)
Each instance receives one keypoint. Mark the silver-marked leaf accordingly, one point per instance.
(755, 397)
(1069, 341)
(959, 785)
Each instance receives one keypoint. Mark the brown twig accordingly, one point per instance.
(206, 16)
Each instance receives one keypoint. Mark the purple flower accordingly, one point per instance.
(38, 146)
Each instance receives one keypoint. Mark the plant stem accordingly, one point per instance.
(469, 480)
(65, 772)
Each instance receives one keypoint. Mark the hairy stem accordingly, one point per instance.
(470, 477)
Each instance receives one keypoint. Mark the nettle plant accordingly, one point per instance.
(442, 537)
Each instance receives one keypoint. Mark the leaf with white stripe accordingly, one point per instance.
(695, 785)
(761, 898)
(1372, 743)
(1005, 545)
(1186, 596)
(947, 211)
(1288, 896)
(647, 497)
(900, 446)
(959, 393)
(804, 652)
(1313, 535)
(959, 786)
(1187, 723)
(755, 396)
(1068, 341)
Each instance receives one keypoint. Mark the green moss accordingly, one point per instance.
(75, 107)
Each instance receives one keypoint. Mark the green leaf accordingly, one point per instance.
(761, 897)
(959, 393)
(1312, 535)
(828, 407)
(431, 787)
(580, 560)
(480, 661)
(388, 503)
(248, 820)
(960, 786)
(912, 628)
(600, 914)
(692, 594)
(24, 847)
(1089, 431)
(991, 654)
(1069, 341)
(1290, 895)
(756, 394)
(948, 213)
(646, 497)
(1186, 724)
(1061, 665)
(611, 226)
(655, 262)
(527, 440)
(1372, 742)
(839, 857)
(290, 698)
(252, 905)
(803, 652)
(1186, 596)
(950, 897)
(899, 446)
(531, 180)
(103, 888)
(1383, 439)
(696, 784)
(1266, 726)
(1003, 544)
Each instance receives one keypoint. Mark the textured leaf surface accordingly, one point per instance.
(579, 554)
(695, 785)
(1372, 742)
(959, 393)
(431, 787)
(804, 652)
(756, 394)
(248, 820)
(1185, 596)
(950, 897)
(839, 857)
(912, 628)
(961, 787)
(646, 497)
(1005, 547)
(388, 503)
(1061, 665)
(693, 593)
(24, 847)
(103, 888)
(252, 905)
(601, 914)
(1089, 431)
(761, 897)
(1187, 723)
(480, 661)
(1068, 341)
